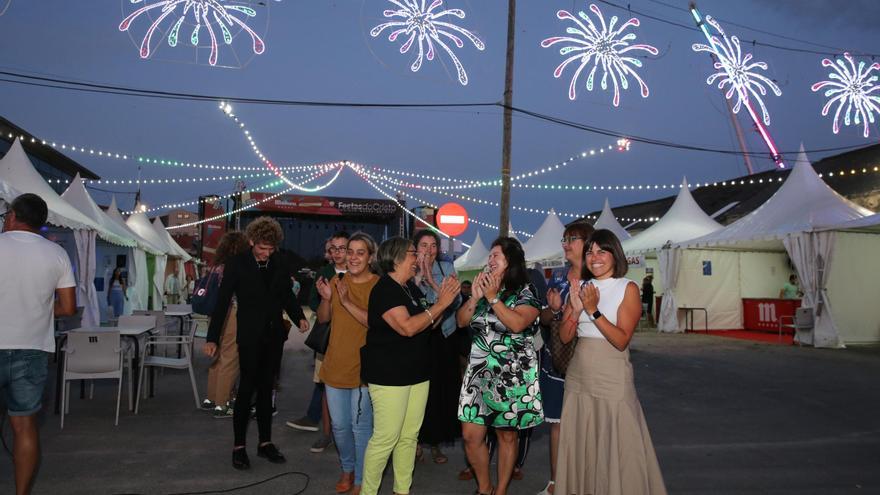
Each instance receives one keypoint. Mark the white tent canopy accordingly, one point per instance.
(77, 196)
(175, 247)
(18, 176)
(803, 203)
(474, 258)
(545, 245)
(684, 220)
(139, 223)
(115, 216)
(606, 220)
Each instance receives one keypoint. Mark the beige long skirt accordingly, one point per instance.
(604, 446)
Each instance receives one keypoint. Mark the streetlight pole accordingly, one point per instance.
(504, 221)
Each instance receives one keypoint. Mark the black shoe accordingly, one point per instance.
(270, 452)
(240, 459)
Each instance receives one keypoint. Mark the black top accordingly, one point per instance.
(262, 295)
(389, 358)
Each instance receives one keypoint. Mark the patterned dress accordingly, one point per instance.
(500, 387)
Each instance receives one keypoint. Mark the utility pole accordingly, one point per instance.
(504, 221)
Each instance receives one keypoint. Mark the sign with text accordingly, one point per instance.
(452, 219)
(635, 261)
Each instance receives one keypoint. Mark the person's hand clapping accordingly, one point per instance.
(575, 301)
(590, 298)
(554, 299)
(323, 287)
(342, 289)
(491, 285)
(477, 287)
(449, 289)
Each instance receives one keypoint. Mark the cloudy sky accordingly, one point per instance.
(321, 50)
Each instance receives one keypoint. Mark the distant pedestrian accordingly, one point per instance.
(648, 296)
(39, 285)
(116, 292)
(790, 289)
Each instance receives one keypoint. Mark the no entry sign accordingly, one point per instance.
(452, 219)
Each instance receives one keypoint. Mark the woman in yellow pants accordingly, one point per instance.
(395, 363)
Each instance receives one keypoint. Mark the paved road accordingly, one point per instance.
(727, 417)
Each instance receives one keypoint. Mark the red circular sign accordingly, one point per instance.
(452, 219)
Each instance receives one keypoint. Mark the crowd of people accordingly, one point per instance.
(414, 360)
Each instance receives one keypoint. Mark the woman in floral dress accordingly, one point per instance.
(500, 387)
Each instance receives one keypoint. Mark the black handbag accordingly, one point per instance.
(319, 338)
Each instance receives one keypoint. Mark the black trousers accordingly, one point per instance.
(258, 367)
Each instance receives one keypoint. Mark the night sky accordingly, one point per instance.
(321, 50)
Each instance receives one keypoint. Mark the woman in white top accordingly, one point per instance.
(605, 446)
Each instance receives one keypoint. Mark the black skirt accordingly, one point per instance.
(441, 423)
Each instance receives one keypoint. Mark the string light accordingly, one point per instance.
(541, 211)
(226, 108)
(402, 208)
(232, 212)
(465, 184)
(605, 46)
(185, 180)
(270, 185)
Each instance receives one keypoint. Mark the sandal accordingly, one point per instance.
(420, 455)
(517, 474)
(466, 474)
(438, 455)
(346, 481)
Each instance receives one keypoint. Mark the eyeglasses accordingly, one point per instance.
(413, 252)
(332, 249)
(570, 239)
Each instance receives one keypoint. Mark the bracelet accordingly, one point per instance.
(430, 315)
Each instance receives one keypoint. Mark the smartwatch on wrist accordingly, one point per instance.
(596, 314)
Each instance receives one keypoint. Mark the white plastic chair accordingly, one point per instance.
(90, 356)
(801, 323)
(157, 361)
(128, 347)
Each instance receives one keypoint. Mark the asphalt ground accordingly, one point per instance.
(727, 417)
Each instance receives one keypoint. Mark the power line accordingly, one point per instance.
(57, 83)
(752, 42)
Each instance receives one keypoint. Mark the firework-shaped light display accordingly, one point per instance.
(605, 47)
(210, 14)
(737, 70)
(423, 25)
(739, 73)
(851, 86)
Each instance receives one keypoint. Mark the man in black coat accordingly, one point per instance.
(260, 281)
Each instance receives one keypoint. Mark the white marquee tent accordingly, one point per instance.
(751, 251)
(544, 247)
(139, 283)
(607, 220)
(684, 220)
(140, 224)
(181, 256)
(77, 196)
(474, 258)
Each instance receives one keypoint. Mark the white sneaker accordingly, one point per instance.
(546, 490)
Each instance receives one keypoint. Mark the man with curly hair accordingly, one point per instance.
(260, 280)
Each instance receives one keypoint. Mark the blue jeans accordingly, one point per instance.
(22, 379)
(351, 415)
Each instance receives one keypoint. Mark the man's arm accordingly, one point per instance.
(65, 301)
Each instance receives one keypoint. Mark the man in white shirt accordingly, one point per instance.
(172, 289)
(33, 271)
